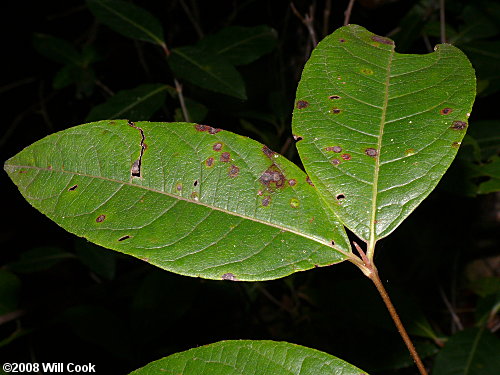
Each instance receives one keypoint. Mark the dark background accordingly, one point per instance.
(86, 304)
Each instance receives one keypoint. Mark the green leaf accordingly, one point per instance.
(57, 49)
(188, 198)
(470, 352)
(246, 357)
(128, 19)
(379, 128)
(207, 70)
(138, 103)
(240, 45)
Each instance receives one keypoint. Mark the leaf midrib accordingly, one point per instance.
(312, 238)
(139, 27)
(373, 238)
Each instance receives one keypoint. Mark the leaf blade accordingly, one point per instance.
(209, 203)
(207, 70)
(245, 357)
(128, 19)
(377, 137)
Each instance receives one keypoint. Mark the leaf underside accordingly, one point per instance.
(245, 357)
(188, 198)
(379, 129)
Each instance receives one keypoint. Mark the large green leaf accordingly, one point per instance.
(470, 352)
(137, 103)
(379, 128)
(207, 70)
(246, 357)
(128, 19)
(185, 197)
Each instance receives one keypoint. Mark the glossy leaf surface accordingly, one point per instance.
(379, 128)
(138, 103)
(245, 357)
(188, 198)
(210, 71)
(128, 19)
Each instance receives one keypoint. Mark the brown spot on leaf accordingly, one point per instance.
(234, 171)
(301, 104)
(308, 180)
(381, 39)
(455, 144)
(209, 162)
(100, 218)
(342, 40)
(225, 157)
(206, 128)
(367, 71)
(458, 125)
(267, 151)
(178, 187)
(23, 171)
(272, 176)
(346, 156)
(336, 111)
(335, 161)
(123, 238)
(266, 201)
(73, 188)
(446, 111)
(194, 195)
(371, 152)
(292, 182)
(229, 276)
(334, 97)
(49, 167)
(410, 152)
(334, 148)
(217, 146)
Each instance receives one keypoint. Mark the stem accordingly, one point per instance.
(366, 265)
(442, 21)
(399, 325)
(347, 12)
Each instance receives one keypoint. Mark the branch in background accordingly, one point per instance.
(347, 12)
(178, 88)
(442, 21)
(103, 87)
(308, 21)
(189, 15)
(454, 316)
(326, 17)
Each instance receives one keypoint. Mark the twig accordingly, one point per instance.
(399, 325)
(195, 24)
(450, 308)
(178, 88)
(308, 21)
(104, 88)
(442, 21)
(347, 12)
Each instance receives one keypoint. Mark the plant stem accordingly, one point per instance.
(394, 315)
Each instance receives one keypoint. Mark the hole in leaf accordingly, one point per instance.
(297, 137)
(195, 183)
(340, 197)
(124, 238)
(334, 97)
(73, 188)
